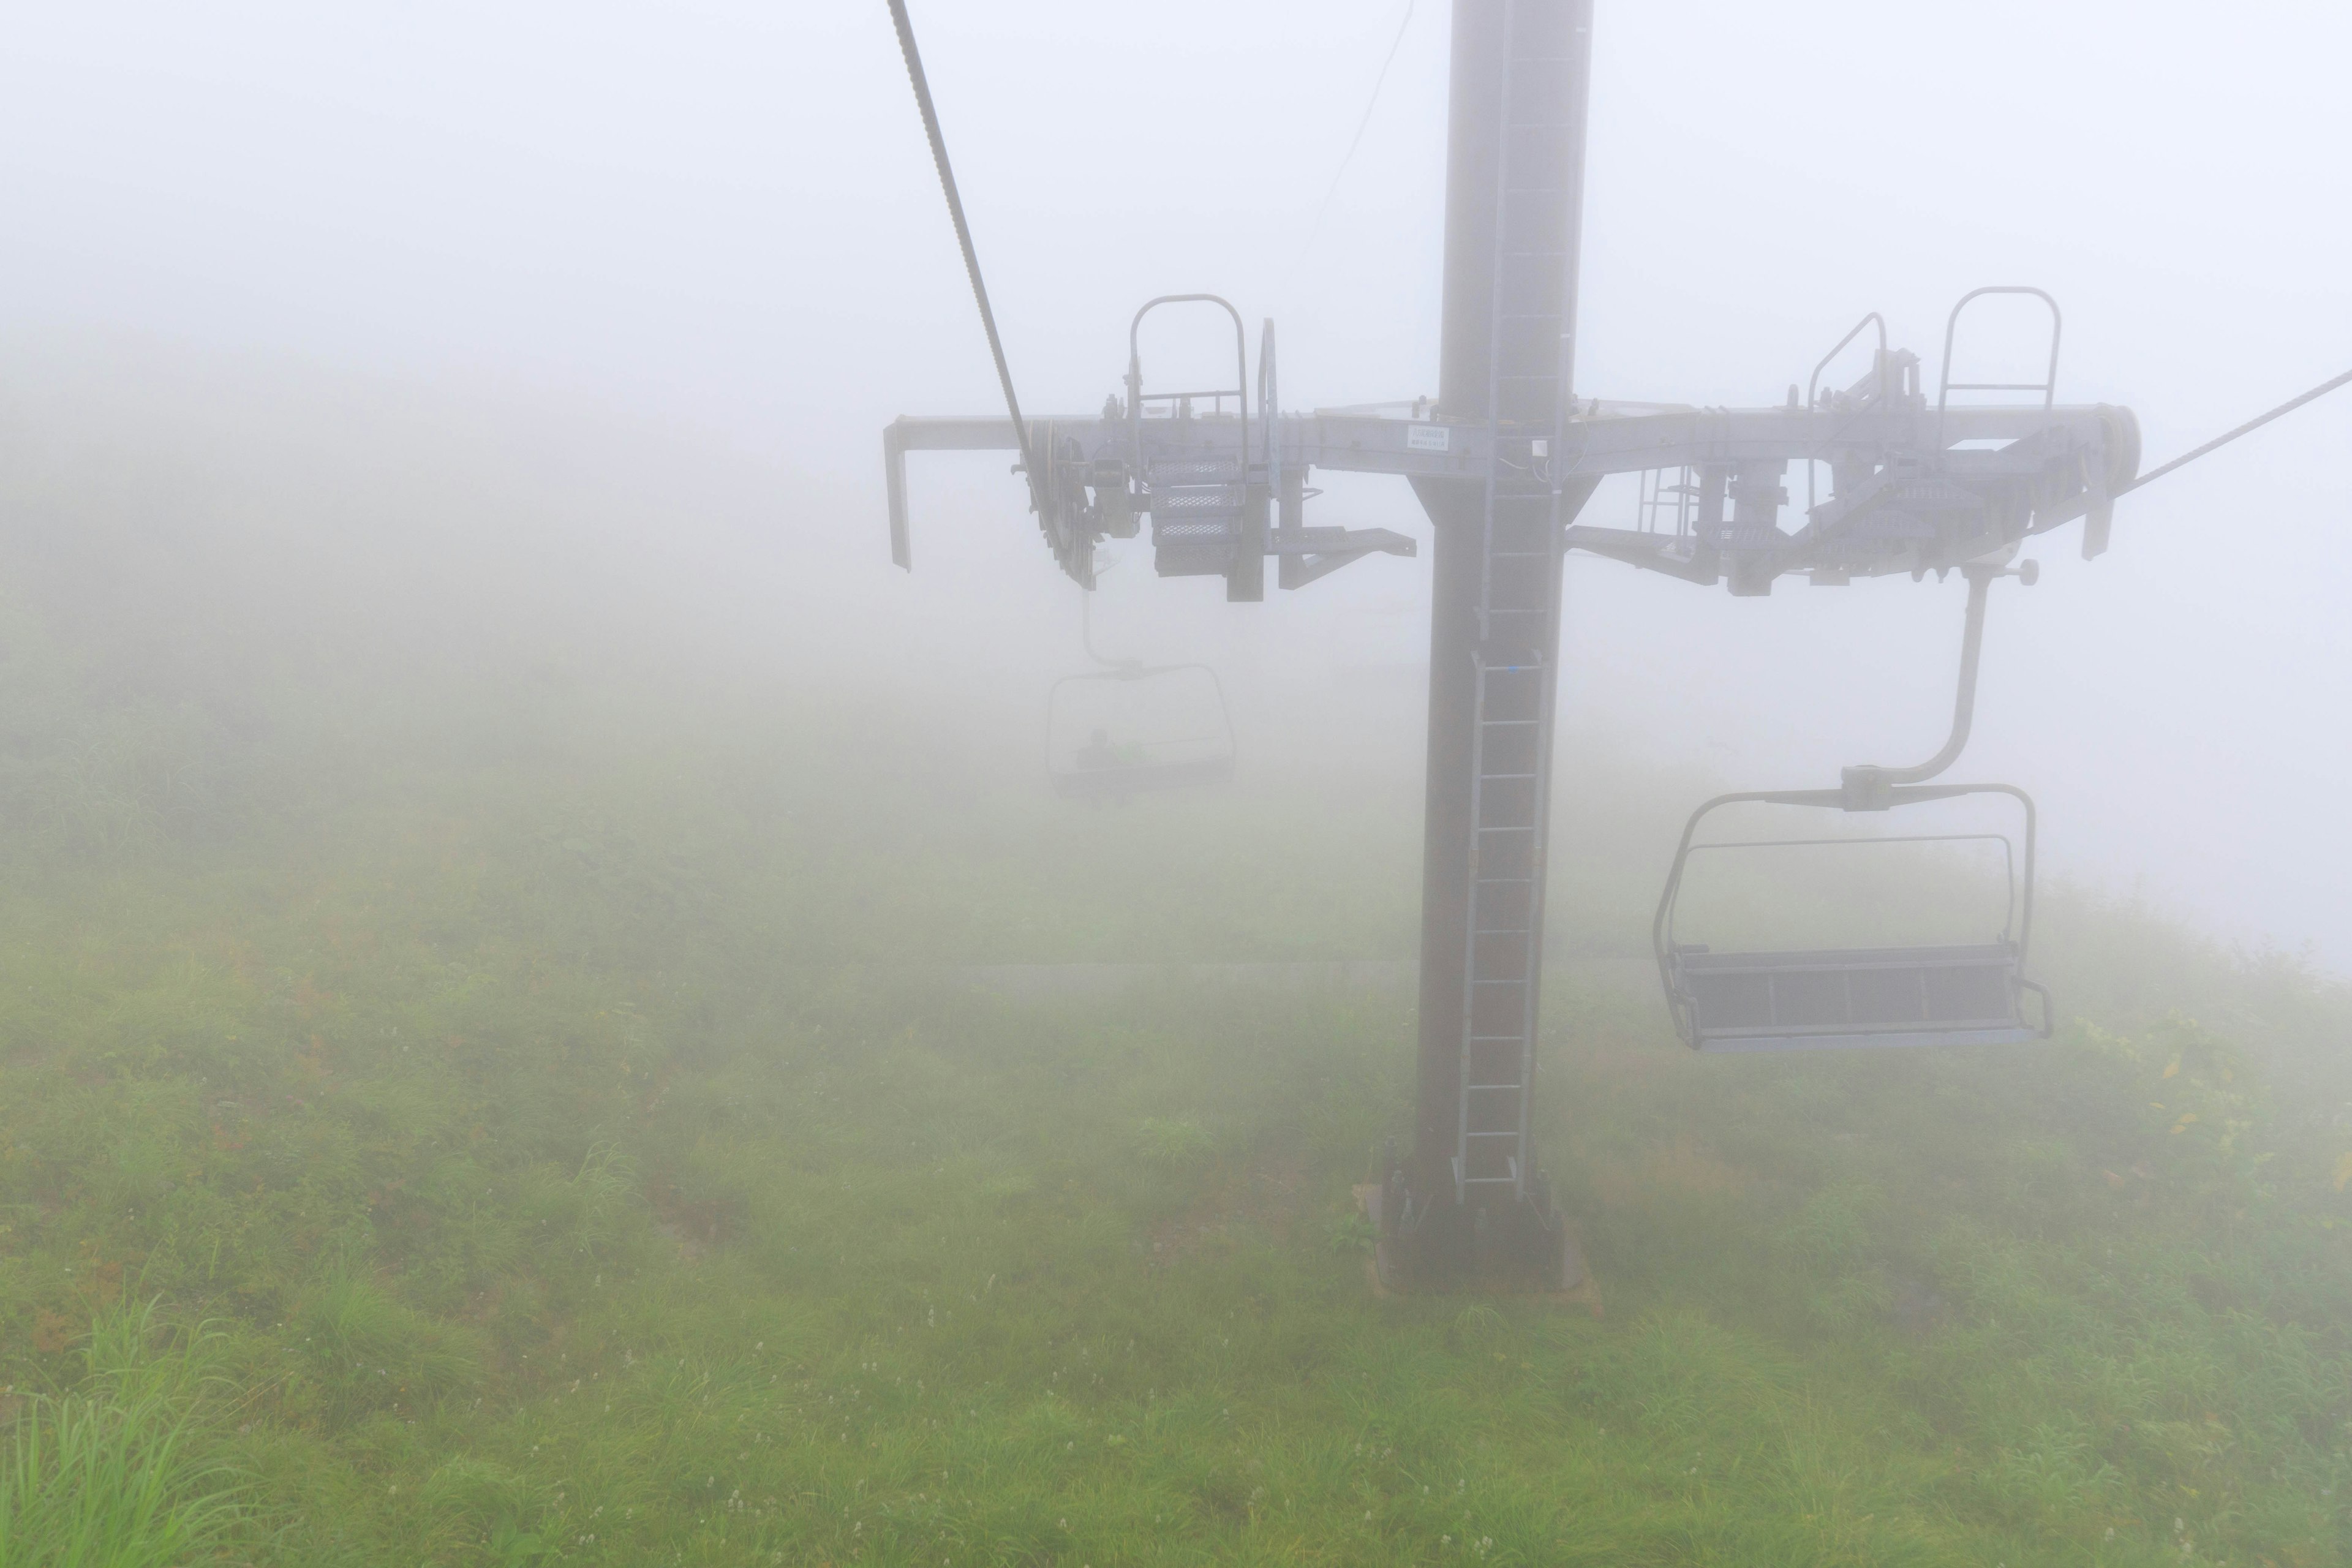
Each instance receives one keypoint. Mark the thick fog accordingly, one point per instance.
(706, 239)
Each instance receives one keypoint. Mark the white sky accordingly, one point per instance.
(720, 217)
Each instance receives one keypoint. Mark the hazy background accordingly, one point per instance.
(655, 278)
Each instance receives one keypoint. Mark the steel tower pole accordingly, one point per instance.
(1513, 206)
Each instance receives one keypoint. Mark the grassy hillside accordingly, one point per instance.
(473, 1098)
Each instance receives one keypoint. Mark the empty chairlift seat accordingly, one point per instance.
(1773, 999)
(1135, 729)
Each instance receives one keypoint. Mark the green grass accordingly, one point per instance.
(533, 1223)
(110, 1475)
(453, 1115)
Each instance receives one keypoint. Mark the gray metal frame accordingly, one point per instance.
(1907, 505)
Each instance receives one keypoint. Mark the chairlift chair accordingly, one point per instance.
(1109, 766)
(1798, 999)
(1112, 766)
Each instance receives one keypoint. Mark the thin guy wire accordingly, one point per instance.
(1315, 229)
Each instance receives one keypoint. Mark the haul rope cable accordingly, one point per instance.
(2256, 423)
(970, 257)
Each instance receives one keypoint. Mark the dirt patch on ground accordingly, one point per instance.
(1682, 1167)
(1917, 1309)
(1266, 1196)
(689, 1247)
(694, 1228)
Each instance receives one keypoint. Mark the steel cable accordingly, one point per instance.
(2289, 406)
(970, 257)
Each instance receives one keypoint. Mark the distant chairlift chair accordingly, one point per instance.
(1112, 766)
(1779, 1000)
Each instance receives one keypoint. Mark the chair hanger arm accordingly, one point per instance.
(1868, 787)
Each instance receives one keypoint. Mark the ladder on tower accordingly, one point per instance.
(1515, 678)
(1510, 791)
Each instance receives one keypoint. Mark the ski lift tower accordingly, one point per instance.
(1503, 464)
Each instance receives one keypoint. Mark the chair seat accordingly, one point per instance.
(1852, 998)
(1132, 778)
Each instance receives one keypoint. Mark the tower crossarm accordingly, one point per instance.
(1906, 489)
